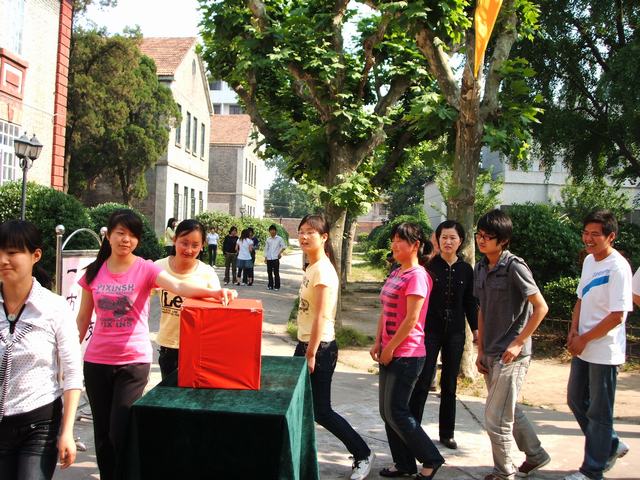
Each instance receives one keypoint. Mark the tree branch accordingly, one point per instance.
(622, 41)
(433, 49)
(314, 93)
(398, 87)
(368, 46)
(394, 159)
(504, 40)
(586, 38)
(259, 12)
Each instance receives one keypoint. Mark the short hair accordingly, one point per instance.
(451, 224)
(273, 227)
(604, 217)
(498, 223)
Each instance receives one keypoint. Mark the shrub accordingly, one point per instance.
(148, 248)
(47, 208)
(628, 242)
(383, 237)
(546, 240)
(377, 256)
(224, 221)
(561, 297)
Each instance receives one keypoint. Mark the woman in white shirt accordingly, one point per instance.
(212, 242)
(244, 247)
(38, 341)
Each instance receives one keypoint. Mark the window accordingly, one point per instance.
(185, 205)
(201, 201)
(193, 203)
(176, 200)
(187, 137)
(8, 162)
(179, 127)
(13, 25)
(202, 140)
(217, 109)
(246, 170)
(216, 85)
(194, 145)
(235, 110)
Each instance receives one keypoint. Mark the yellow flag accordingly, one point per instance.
(485, 19)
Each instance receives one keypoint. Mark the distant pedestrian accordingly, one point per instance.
(316, 336)
(450, 302)
(256, 245)
(274, 246)
(212, 243)
(597, 341)
(40, 366)
(244, 247)
(169, 233)
(230, 256)
(511, 308)
(399, 349)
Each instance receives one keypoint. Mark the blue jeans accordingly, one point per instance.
(452, 346)
(29, 451)
(407, 440)
(326, 359)
(590, 395)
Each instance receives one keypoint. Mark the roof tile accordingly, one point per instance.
(230, 129)
(167, 52)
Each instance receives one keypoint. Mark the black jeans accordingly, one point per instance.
(168, 361)
(29, 450)
(230, 260)
(452, 346)
(326, 359)
(213, 253)
(273, 271)
(407, 440)
(112, 389)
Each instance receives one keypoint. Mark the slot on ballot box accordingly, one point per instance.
(220, 345)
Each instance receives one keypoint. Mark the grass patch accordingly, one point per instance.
(365, 272)
(292, 330)
(350, 337)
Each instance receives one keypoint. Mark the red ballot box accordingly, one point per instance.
(220, 345)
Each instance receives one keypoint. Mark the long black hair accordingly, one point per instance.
(170, 222)
(321, 225)
(185, 227)
(412, 233)
(22, 235)
(124, 217)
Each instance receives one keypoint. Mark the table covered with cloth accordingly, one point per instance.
(210, 433)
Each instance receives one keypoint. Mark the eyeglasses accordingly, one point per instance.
(484, 237)
(306, 233)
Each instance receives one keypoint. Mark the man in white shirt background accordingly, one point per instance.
(274, 246)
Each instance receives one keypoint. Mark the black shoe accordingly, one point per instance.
(449, 443)
(434, 470)
(387, 472)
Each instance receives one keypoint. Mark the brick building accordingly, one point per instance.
(236, 173)
(35, 37)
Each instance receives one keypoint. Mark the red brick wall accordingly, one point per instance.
(60, 105)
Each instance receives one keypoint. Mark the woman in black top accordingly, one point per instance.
(450, 302)
(230, 255)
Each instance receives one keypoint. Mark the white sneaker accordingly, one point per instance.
(620, 452)
(576, 476)
(362, 468)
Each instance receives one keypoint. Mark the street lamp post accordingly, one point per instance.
(27, 151)
(242, 210)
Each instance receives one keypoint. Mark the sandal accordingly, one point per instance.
(393, 472)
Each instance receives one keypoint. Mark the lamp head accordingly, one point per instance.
(21, 146)
(35, 148)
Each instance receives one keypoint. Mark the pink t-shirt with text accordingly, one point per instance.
(399, 285)
(121, 303)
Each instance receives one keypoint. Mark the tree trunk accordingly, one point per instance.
(460, 206)
(347, 249)
(65, 177)
(336, 217)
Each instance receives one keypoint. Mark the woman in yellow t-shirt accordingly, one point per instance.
(316, 336)
(184, 265)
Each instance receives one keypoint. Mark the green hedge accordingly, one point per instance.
(561, 296)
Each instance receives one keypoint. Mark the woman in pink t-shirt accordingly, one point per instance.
(399, 348)
(116, 364)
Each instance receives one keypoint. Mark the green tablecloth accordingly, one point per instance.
(185, 433)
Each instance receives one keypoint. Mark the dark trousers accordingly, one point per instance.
(28, 449)
(273, 271)
(407, 440)
(452, 346)
(167, 360)
(326, 359)
(213, 253)
(230, 262)
(112, 389)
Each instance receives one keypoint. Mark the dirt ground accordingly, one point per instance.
(546, 383)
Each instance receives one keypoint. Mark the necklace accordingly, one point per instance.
(13, 317)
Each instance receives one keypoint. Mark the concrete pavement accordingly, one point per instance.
(355, 396)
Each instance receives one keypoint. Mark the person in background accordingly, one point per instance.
(244, 247)
(597, 341)
(400, 351)
(256, 244)
(273, 249)
(316, 336)
(117, 360)
(183, 265)
(511, 309)
(212, 242)
(229, 245)
(449, 303)
(38, 343)
(169, 233)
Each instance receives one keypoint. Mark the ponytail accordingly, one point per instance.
(94, 267)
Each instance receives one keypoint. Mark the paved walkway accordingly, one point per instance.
(355, 396)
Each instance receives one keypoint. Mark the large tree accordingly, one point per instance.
(587, 61)
(118, 114)
(323, 106)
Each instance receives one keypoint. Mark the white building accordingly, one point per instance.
(224, 100)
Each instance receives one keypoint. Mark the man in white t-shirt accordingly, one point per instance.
(273, 248)
(597, 341)
(212, 242)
